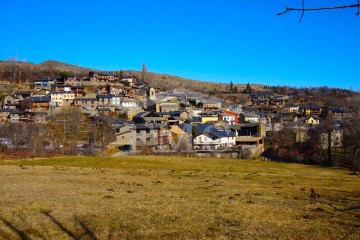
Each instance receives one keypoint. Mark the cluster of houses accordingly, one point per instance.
(174, 121)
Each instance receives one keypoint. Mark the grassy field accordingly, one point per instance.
(158, 197)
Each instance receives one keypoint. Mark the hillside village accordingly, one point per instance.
(147, 120)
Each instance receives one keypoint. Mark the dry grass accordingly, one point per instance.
(148, 197)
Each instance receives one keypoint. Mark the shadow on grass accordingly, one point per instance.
(86, 232)
(21, 234)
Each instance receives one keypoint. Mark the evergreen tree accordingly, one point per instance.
(121, 74)
(248, 89)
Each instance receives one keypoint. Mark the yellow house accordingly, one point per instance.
(209, 119)
(312, 120)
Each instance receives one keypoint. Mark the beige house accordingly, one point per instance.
(124, 138)
(151, 138)
(167, 106)
(12, 101)
(86, 104)
(211, 105)
(336, 138)
(61, 99)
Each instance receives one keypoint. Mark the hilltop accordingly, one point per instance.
(12, 71)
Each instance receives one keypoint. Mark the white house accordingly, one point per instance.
(129, 103)
(290, 109)
(210, 138)
(115, 101)
(227, 118)
(249, 117)
(195, 112)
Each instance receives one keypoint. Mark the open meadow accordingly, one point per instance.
(166, 197)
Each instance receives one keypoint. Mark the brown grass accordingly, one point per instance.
(146, 197)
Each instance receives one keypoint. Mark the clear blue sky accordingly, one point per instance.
(220, 41)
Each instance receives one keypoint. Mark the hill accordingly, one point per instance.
(160, 197)
(24, 71)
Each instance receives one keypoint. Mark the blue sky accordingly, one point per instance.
(219, 41)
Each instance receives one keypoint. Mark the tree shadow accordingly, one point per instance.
(21, 234)
(85, 230)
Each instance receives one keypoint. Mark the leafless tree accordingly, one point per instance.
(352, 137)
(64, 128)
(304, 9)
(102, 131)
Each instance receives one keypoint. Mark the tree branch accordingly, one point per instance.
(303, 9)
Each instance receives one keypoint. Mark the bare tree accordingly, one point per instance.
(352, 137)
(64, 128)
(103, 132)
(304, 9)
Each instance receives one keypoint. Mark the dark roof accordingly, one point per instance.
(149, 126)
(210, 131)
(313, 107)
(142, 114)
(44, 80)
(106, 96)
(337, 110)
(79, 87)
(260, 100)
(85, 99)
(40, 99)
(246, 125)
(169, 113)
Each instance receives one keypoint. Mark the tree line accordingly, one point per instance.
(59, 135)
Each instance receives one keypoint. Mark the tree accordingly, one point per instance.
(64, 128)
(121, 74)
(64, 74)
(144, 73)
(235, 90)
(50, 67)
(231, 87)
(102, 131)
(37, 142)
(18, 135)
(351, 141)
(248, 89)
(304, 9)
